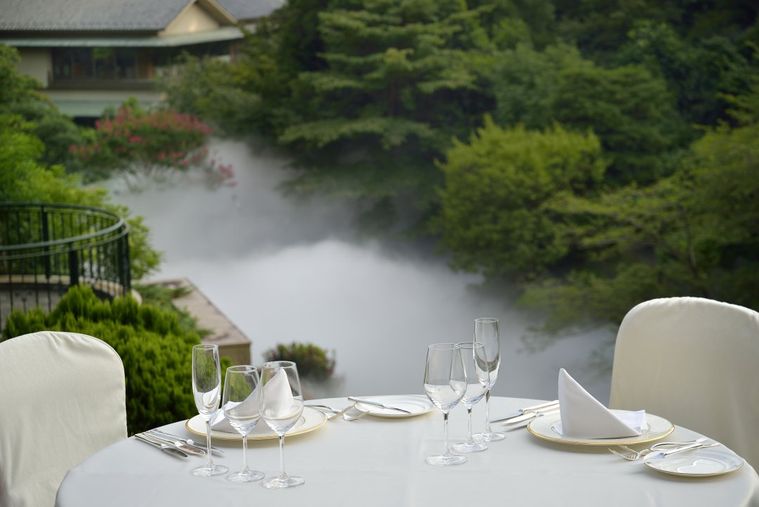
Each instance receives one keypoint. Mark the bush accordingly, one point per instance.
(312, 360)
(155, 348)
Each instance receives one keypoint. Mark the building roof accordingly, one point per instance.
(246, 10)
(97, 15)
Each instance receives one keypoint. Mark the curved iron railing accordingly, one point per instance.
(47, 248)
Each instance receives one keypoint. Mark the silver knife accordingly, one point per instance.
(168, 449)
(179, 444)
(378, 404)
(214, 450)
(528, 413)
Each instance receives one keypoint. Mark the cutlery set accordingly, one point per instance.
(661, 449)
(352, 412)
(174, 445)
(525, 415)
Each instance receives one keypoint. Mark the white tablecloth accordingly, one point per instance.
(380, 462)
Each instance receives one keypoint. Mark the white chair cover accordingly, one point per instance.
(62, 397)
(693, 361)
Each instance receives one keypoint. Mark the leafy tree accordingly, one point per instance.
(699, 73)
(400, 81)
(495, 215)
(629, 110)
(19, 95)
(693, 233)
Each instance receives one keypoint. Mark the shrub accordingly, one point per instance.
(155, 348)
(313, 361)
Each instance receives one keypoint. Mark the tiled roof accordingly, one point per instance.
(246, 10)
(96, 15)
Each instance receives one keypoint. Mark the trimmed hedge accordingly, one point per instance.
(155, 347)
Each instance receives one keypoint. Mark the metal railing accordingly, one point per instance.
(47, 248)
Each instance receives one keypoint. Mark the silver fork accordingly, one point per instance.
(663, 447)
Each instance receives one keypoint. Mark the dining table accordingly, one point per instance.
(380, 461)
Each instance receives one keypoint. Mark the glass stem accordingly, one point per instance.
(487, 411)
(445, 433)
(282, 474)
(245, 453)
(208, 444)
(469, 412)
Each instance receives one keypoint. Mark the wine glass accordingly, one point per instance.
(206, 388)
(486, 332)
(241, 408)
(477, 381)
(281, 407)
(445, 385)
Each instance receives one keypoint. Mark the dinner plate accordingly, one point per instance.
(310, 420)
(548, 427)
(416, 404)
(698, 463)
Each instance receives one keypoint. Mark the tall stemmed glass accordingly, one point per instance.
(281, 407)
(486, 332)
(206, 387)
(241, 408)
(477, 381)
(445, 385)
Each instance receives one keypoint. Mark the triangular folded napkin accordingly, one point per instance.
(277, 387)
(583, 416)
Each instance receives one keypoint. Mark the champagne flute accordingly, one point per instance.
(445, 385)
(241, 408)
(206, 388)
(281, 407)
(476, 370)
(486, 332)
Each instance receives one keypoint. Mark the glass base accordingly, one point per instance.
(470, 446)
(246, 476)
(445, 460)
(288, 481)
(206, 471)
(491, 436)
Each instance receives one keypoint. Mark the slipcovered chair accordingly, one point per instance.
(693, 361)
(62, 397)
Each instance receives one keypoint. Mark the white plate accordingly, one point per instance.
(698, 463)
(310, 420)
(547, 428)
(416, 404)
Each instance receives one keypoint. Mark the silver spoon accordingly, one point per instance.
(168, 449)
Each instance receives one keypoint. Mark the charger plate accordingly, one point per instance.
(548, 427)
(311, 420)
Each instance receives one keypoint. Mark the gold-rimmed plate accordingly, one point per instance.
(311, 420)
(548, 427)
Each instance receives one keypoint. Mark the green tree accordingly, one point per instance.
(693, 233)
(495, 215)
(401, 80)
(630, 110)
(19, 95)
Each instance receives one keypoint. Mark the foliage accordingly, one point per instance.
(693, 233)
(495, 215)
(137, 142)
(630, 110)
(19, 96)
(212, 89)
(155, 349)
(313, 361)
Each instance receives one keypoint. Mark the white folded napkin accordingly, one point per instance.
(583, 416)
(278, 388)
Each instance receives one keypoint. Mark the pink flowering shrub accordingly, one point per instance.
(136, 140)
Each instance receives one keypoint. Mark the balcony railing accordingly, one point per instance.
(47, 248)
